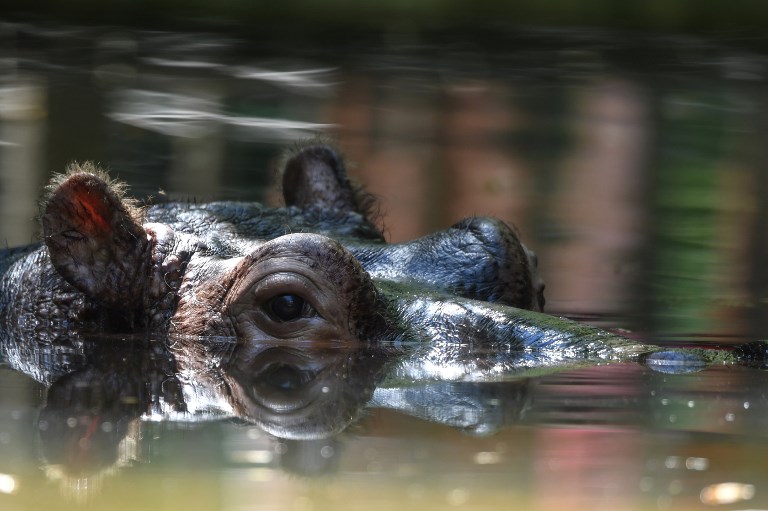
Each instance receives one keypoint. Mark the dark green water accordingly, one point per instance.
(633, 166)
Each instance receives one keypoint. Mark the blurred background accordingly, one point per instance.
(625, 142)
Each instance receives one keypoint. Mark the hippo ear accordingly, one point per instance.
(94, 238)
(315, 176)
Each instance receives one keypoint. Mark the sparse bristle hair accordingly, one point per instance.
(119, 188)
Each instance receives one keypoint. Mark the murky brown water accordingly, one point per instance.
(636, 170)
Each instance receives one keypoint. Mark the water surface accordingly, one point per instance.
(633, 165)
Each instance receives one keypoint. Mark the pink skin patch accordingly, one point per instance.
(93, 211)
(97, 221)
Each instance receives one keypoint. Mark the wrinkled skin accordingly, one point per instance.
(317, 269)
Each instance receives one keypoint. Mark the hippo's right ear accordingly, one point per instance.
(94, 236)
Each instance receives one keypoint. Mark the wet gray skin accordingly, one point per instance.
(316, 269)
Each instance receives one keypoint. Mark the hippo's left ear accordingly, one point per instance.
(94, 237)
(315, 176)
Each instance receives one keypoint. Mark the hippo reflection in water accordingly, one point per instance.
(317, 269)
(302, 393)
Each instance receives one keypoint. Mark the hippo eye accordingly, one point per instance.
(288, 307)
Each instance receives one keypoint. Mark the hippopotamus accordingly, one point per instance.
(316, 269)
(308, 270)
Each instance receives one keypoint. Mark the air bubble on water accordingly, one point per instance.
(646, 484)
(729, 417)
(106, 427)
(8, 484)
(72, 422)
(665, 401)
(42, 425)
(675, 487)
(673, 462)
(374, 466)
(415, 491)
(303, 504)
(726, 493)
(327, 451)
(458, 497)
(746, 405)
(325, 389)
(694, 463)
(691, 404)
(487, 458)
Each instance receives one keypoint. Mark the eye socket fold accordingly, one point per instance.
(288, 307)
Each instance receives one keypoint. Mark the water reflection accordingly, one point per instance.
(22, 128)
(293, 392)
(104, 399)
(192, 116)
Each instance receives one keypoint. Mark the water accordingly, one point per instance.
(634, 166)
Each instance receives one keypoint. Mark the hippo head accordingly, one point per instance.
(297, 286)
(299, 272)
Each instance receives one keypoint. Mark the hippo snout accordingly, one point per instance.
(505, 270)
